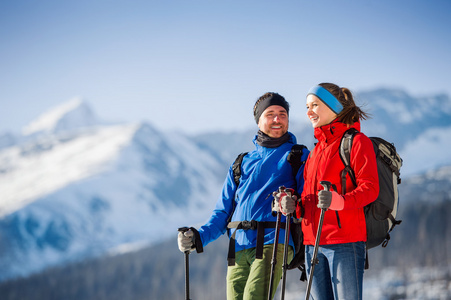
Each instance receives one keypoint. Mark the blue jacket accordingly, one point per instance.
(263, 171)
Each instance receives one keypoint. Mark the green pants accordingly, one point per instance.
(249, 278)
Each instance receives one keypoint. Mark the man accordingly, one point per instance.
(263, 171)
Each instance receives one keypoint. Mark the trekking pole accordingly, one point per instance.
(314, 261)
(285, 250)
(183, 230)
(274, 252)
(285, 255)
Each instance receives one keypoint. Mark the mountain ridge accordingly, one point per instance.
(70, 115)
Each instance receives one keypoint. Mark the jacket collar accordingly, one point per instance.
(261, 149)
(335, 130)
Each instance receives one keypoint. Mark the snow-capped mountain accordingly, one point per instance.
(79, 193)
(419, 127)
(71, 115)
(435, 181)
(395, 111)
(74, 187)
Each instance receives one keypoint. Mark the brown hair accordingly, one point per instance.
(351, 113)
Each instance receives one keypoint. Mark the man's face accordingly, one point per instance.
(274, 121)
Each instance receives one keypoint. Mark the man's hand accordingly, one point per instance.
(284, 201)
(185, 241)
(288, 204)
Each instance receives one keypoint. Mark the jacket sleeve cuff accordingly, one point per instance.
(197, 241)
(338, 202)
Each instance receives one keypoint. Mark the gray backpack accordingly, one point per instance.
(380, 215)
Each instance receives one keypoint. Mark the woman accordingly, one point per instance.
(341, 254)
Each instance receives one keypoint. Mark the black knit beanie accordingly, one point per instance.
(266, 101)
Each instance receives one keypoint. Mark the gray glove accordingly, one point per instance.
(185, 241)
(288, 204)
(324, 199)
(276, 202)
(284, 201)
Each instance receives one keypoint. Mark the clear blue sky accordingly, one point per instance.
(200, 65)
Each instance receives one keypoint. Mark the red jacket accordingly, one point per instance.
(324, 163)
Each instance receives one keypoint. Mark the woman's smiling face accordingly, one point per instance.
(318, 112)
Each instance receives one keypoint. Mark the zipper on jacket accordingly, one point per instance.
(338, 219)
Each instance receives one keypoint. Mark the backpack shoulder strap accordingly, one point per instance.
(345, 155)
(295, 158)
(236, 167)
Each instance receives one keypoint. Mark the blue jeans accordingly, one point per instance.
(339, 273)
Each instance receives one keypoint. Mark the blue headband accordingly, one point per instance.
(328, 99)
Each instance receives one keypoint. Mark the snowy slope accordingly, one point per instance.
(38, 168)
(397, 114)
(419, 127)
(436, 182)
(74, 195)
(427, 151)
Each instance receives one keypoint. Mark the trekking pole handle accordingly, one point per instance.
(326, 185)
(280, 190)
(183, 229)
